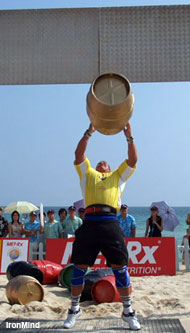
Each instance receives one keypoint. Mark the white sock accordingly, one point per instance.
(75, 303)
(126, 300)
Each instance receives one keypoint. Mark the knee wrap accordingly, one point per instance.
(78, 276)
(122, 277)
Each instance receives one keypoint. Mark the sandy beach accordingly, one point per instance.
(153, 297)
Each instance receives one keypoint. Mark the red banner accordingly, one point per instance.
(147, 256)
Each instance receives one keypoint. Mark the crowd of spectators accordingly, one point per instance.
(31, 227)
(69, 221)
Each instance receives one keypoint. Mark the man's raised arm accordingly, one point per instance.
(82, 145)
(132, 150)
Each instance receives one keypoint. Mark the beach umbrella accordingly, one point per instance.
(79, 204)
(168, 215)
(22, 207)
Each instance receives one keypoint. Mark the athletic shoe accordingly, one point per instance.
(132, 321)
(71, 318)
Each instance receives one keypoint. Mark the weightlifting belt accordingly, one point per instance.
(105, 209)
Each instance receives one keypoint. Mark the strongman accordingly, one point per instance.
(102, 190)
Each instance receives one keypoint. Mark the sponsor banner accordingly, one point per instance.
(147, 256)
(13, 249)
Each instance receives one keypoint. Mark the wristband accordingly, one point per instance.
(87, 133)
(130, 139)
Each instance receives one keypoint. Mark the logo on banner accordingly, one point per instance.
(12, 250)
(147, 256)
(134, 248)
(14, 254)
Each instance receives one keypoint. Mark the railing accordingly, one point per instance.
(39, 255)
(181, 251)
(184, 251)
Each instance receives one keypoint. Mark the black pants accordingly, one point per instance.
(99, 236)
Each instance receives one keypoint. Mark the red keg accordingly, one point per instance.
(49, 269)
(105, 290)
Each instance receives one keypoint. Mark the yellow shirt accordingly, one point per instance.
(103, 188)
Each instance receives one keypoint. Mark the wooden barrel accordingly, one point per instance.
(110, 103)
(24, 289)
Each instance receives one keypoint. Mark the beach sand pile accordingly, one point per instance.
(152, 297)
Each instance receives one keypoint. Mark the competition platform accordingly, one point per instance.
(96, 325)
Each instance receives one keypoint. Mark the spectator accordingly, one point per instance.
(154, 223)
(72, 223)
(30, 230)
(52, 228)
(3, 224)
(184, 237)
(127, 222)
(15, 228)
(188, 219)
(62, 215)
(81, 213)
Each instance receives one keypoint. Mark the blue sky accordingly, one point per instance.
(41, 126)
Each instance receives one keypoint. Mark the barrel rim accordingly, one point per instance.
(110, 73)
(62, 271)
(15, 278)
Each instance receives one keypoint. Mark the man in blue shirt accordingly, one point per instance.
(127, 222)
(30, 230)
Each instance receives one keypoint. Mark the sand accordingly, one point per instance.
(152, 296)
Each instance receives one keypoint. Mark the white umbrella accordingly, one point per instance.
(168, 215)
(22, 207)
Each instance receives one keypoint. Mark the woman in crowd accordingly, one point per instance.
(187, 236)
(15, 228)
(154, 224)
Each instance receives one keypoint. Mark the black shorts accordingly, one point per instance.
(99, 236)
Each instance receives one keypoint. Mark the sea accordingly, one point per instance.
(141, 214)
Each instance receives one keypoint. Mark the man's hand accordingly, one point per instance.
(82, 145)
(127, 130)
